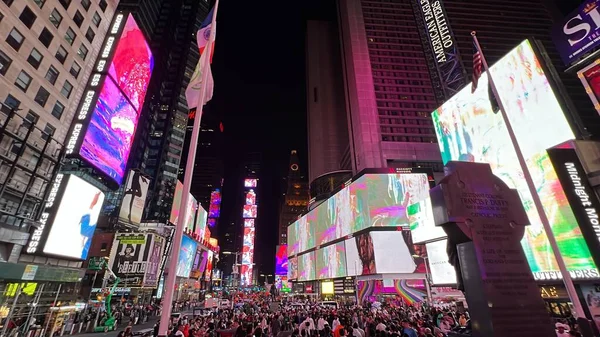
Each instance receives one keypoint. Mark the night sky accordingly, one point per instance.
(259, 73)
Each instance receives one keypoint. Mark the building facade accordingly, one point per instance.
(296, 197)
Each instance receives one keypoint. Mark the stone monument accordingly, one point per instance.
(485, 221)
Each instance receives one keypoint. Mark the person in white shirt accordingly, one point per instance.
(335, 324)
(321, 324)
(356, 331)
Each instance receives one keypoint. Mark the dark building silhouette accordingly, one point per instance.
(296, 197)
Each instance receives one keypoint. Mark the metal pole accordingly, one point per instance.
(12, 309)
(93, 284)
(33, 307)
(53, 304)
(427, 285)
(532, 189)
(170, 280)
(104, 281)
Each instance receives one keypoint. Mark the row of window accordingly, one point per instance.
(31, 117)
(86, 4)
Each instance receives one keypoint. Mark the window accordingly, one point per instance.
(52, 75)
(23, 80)
(48, 131)
(35, 58)
(1, 17)
(70, 36)
(82, 52)
(78, 19)
(5, 62)
(103, 246)
(86, 4)
(46, 37)
(27, 17)
(55, 18)
(61, 54)
(65, 3)
(96, 19)
(40, 3)
(75, 69)
(66, 89)
(15, 39)
(102, 5)
(12, 102)
(31, 118)
(42, 96)
(58, 109)
(89, 35)
(8, 2)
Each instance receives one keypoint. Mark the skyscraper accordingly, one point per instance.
(170, 26)
(389, 91)
(296, 197)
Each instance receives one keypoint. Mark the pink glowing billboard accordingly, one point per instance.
(248, 222)
(250, 182)
(250, 211)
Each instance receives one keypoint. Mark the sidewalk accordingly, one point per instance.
(146, 325)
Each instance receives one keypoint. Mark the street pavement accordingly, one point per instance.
(143, 326)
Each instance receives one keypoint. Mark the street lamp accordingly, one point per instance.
(427, 274)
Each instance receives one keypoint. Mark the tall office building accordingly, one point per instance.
(296, 197)
(388, 87)
(170, 26)
(47, 52)
(493, 22)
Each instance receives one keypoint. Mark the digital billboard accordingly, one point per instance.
(441, 271)
(293, 268)
(211, 222)
(248, 245)
(134, 198)
(201, 221)
(209, 266)
(177, 196)
(214, 209)
(250, 198)
(282, 283)
(132, 63)
(398, 200)
(306, 267)
(590, 78)
(577, 34)
(468, 130)
(369, 253)
(246, 272)
(190, 211)
(281, 260)
(186, 256)
(250, 211)
(248, 222)
(75, 219)
(250, 183)
(135, 257)
(331, 261)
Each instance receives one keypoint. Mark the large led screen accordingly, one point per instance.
(331, 261)
(305, 232)
(177, 196)
(248, 246)
(110, 132)
(293, 268)
(281, 260)
(132, 63)
(442, 272)
(250, 183)
(306, 267)
(201, 221)
(468, 130)
(186, 256)
(251, 198)
(134, 198)
(590, 78)
(209, 266)
(334, 217)
(293, 243)
(369, 253)
(75, 221)
(192, 206)
(250, 211)
(425, 230)
(248, 222)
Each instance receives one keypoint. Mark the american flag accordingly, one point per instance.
(477, 67)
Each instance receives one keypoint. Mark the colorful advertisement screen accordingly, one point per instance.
(248, 222)
(369, 253)
(134, 198)
(251, 198)
(293, 268)
(132, 63)
(214, 210)
(177, 196)
(201, 221)
(134, 256)
(248, 246)
(281, 283)
(110, 132)
(334, 217)
(331, 261)
(190, 212)
(250, 183)
(306, 267)
(281, 260)
(186, 256)
(75, 220)
(468, 130)
(153, 264)
(209, 266)
(293, 243)
(211, 222)
(306, 231)
(250, 211)
(590, 78)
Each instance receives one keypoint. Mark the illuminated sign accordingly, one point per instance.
(577, 34)
(437, 28)
(34, 241)
(250, 182)
(553, 292)
(94, 82)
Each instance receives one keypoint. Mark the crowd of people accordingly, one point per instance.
(262, 316)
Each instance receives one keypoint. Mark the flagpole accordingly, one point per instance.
(568, 281)
(187, 182)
